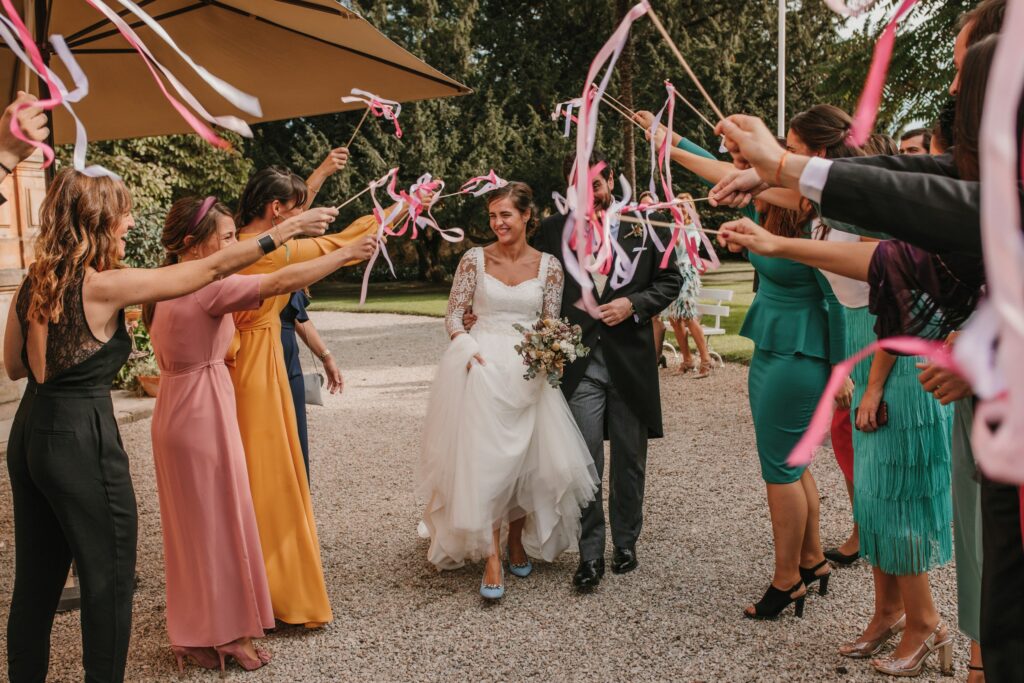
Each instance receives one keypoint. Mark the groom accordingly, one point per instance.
(613, 392)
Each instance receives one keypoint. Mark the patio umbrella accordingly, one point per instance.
(297, 56)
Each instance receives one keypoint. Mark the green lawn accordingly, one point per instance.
(411, 298)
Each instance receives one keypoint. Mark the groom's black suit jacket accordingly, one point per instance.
(628, 347)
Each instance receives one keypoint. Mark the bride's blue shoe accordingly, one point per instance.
(491, 591)
(520, 570)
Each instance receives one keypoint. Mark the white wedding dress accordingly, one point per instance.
(497, 447)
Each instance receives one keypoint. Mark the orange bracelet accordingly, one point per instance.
(778, 170)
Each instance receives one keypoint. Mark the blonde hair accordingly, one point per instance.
(78, 218)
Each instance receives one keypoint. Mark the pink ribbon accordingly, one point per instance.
(565, 109)
(821, 421)
(991, 348)
(871, 97)
(204, 131)
(580, 194)
(39, 66)
(383, 220)
(482, 184)
(389, 110)
(420, 214)
(850, 8)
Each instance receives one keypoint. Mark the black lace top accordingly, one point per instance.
(74, 356)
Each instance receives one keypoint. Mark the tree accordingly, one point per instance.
(521, 57)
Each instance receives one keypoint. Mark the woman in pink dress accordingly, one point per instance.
(217, 594)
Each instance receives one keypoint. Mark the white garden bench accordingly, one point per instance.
(711, 302)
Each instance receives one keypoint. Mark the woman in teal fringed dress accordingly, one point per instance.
(901, 498)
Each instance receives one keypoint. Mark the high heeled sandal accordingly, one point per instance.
(862, 649)
(938, 642)
(205, 657)
(704, 369)
(775, 600)
(811, 575)
(237, 652)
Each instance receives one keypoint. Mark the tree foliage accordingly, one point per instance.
(521, 57)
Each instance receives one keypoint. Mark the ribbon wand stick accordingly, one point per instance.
(358, 126)
(353, 198)
(679, 55)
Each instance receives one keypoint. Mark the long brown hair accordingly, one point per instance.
(521, 196)
(970, 102)
(180, 235)
(77, 220)
(265, 186)
(824, 128)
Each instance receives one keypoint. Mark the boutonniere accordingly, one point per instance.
(636, 231)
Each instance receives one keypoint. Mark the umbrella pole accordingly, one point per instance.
(358, 126)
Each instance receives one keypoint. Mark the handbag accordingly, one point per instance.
(313, 383)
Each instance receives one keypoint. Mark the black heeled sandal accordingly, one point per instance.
(811, 575)
(774, 601)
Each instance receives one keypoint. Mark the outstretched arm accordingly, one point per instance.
(850, 259)
(301, 275)
(117, 288)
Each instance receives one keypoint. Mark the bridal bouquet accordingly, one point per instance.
(548, 345)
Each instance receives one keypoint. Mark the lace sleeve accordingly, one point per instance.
(461, 297)
(553, 285)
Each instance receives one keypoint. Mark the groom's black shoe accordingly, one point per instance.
(588, 574)
(623, 560)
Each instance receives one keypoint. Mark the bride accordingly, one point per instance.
(499, 451)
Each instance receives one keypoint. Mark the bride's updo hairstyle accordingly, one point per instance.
(521, 197)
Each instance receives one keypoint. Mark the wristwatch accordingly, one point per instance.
(323, 355)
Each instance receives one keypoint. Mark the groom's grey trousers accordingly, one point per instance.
(595, 403)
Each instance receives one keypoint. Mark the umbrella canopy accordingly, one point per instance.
(297, 56)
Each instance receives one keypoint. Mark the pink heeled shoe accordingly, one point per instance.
(237, 652)
(205, 657)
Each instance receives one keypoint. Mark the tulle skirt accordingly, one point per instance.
(497, 448)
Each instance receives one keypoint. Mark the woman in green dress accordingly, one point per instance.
(796, 325)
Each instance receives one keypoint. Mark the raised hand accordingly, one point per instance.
(336, 160)
(362, 248)
(33, 124)
(746, 234)
(751, 144)
(314, 222)
(736, 189)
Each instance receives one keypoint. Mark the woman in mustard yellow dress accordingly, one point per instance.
(266, 415)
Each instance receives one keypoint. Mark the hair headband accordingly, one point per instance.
(204, 209)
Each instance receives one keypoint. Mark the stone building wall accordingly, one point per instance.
(19, 223)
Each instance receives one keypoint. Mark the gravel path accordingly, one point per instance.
(704, 553)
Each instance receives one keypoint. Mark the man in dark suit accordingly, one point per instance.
(614, 392)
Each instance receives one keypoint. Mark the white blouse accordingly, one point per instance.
(851, 293)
